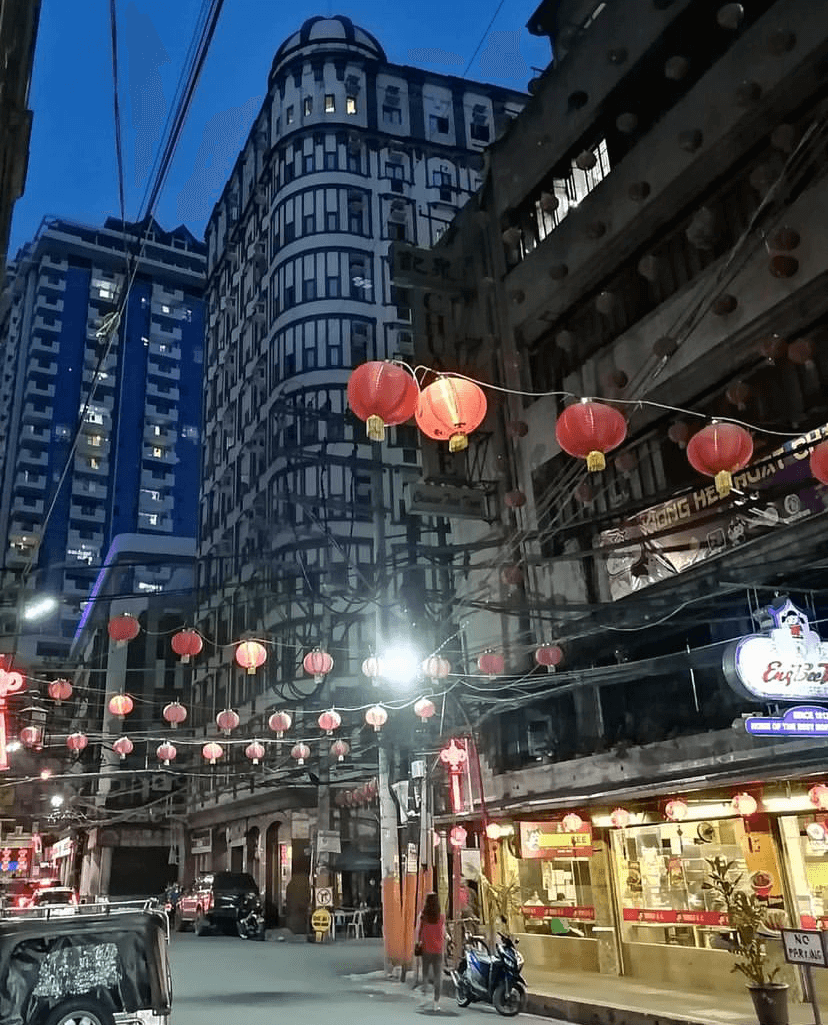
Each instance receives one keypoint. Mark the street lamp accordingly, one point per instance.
(400, 665)
(39, 607)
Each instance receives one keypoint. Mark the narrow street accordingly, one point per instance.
(221, 980)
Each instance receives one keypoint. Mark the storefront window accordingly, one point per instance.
(806, 843)
(661, 870)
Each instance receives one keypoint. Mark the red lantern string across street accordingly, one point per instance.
(317, 664)
(744, 804)
(76, 742)
(491, 664)
(255, 752)
(819, 462)
(676, 810)
(718, 451)
(382, 394)
(372, 668)
(587, 430)
(424, 708)
(451, 408)
(300, 752)
(30, 736)
(121, 705)
(377, 717)
(250, 655)
(436, 667)
(212, 752)
(186, 644)
(227, 720)
(620, 818)
(123, 746)
(817, 795)
(60, 690)
(123, 628)
(174, 713)
(280, 723)
(167, 753)
(549, 655)
(330, 721)
(339, 749)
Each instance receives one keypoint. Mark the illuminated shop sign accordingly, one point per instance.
(667, 539)
(666, 916)
(788, 662)
(801, 721)
(551, 840)
(580, 912)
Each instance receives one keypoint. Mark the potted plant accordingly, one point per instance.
(751, 920)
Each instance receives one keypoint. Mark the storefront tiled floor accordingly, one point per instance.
(599, 999)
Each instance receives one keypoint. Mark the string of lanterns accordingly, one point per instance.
(384, 394)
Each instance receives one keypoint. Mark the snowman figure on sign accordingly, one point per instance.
(792, 634)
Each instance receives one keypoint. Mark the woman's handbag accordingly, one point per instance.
(418, 949)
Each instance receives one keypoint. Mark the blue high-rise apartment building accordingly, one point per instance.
(96, 440)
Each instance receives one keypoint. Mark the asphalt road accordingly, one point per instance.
(221, 980)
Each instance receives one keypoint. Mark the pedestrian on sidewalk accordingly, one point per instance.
(429, 944)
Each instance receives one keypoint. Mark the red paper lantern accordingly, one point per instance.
(572, 822)
(212, 752)
(515, 499)
(680, 433)
(801, 352)
(123, 746)
(227, 720)
(250, 655)
(620, 818)
(817, 795)
(382, 394)
(186, 643)
(676, 810)
(819, 462)
(424, 708)
(491, 664)
(255, 752)
(588, 430)
(60, 690)
(372, 668)
(719, 451)
(300, 752)
(330, 721)
(512, 575)
(121, 705)
(457, 836)
(744, 804)
(339, 749)
(436, 667)
(549, 655)
(123, 628)
(280, 723)
(30, 736)
(451, 408)
(318, 664)
(773, 348)
(377, 717)
(166, 753)
(76, 742)
(175, 713)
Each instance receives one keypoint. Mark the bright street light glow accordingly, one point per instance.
(400, 665)
(13, 745)
(56, 800)
(39, 607)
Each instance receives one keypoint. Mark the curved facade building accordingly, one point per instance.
(348, 154)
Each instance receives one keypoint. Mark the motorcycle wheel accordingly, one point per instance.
(461, 994)
(509, 1005)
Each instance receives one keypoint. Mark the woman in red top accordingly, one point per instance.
(430, 936)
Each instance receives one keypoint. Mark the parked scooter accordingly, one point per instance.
(492, 978)
(250, 922)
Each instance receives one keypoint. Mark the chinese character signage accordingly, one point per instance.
(423, 268)
(551, 840)
(787, 662)
(669, 538)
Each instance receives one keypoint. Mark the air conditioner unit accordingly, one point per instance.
(397, 216)
(399, 204)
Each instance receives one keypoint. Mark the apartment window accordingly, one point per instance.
(307, 106)
(332, 289)
(94, 463)
(354, 163)
(95, 440)
(309, 224)
(308, 163)
(396, 231)
(152, 519)
(438, 125)
(442, 181)
(331, 162)
(391, 115)
(289, 116)
(394, 171)
(350, 104)
(330, 103)
(332, 221)
(308, 289)
(480, 132)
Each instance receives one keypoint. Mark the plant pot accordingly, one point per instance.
(770, 1004)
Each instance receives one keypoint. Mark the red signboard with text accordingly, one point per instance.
(667, 916)
(551, 840)
(582, 913)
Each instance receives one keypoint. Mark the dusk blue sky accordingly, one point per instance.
(72, 169)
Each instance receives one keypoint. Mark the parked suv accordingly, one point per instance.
(214, 900)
